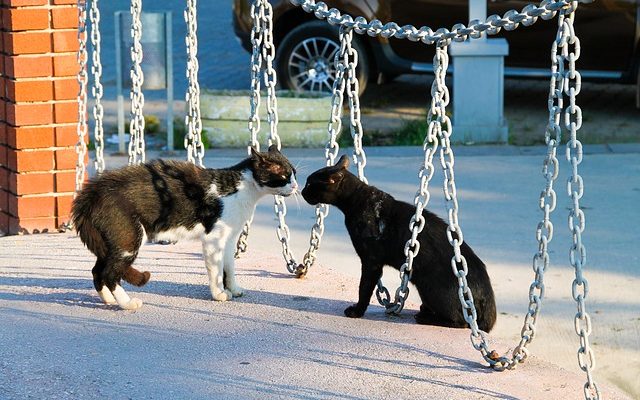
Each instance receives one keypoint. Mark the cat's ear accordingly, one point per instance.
(273, 148)
(343, 162)
(256, 155)
(335, 178)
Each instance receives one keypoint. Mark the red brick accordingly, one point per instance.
(65, 182)
(66, 135)
(4, 201)
(66, 159)
(32, 207)
(4, 223)
(25, 19)
(30, 137)
(3, 133)
(29, 113)
(66, 89)
(21, 184)
(66, 112)
(64, 41)
(65, 65)
(23, 3)
(4, 178)
(57, 2)
(29, 90)
(64, 17)
(3, 87)
(4, 155)
(27, 42)
(31, 225)
(28, 66)
(63, 208)
(25, 161)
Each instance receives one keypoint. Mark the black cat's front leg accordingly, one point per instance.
(370, 275)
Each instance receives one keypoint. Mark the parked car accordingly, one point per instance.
(609, 32)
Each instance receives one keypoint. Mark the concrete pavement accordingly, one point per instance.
(288, 339)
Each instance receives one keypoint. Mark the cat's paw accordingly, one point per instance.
(353, 312)
(133, 304)
(236, 291)
(223, 296)
(106, 296)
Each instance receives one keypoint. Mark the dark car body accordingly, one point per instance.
(609, 31)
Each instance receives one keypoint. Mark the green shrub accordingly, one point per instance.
(179, 132)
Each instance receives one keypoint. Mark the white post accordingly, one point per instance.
(478, 85)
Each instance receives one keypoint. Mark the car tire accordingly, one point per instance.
(303, 63)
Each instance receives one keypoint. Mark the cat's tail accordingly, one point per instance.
(135, 277)
(487, 311)
(82, 210)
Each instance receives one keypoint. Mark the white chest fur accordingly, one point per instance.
(237, 209)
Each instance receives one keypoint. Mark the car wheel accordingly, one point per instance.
(305, 58)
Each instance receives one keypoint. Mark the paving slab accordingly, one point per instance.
(286, 338)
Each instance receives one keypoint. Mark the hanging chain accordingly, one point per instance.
(193, 139)
(443, 130)
(97, 90)
(437, 121)
(340, 62)
(546, 10)
(353, 91)
(270, 80)
(575, 190)
(257, 37)
(82, 128)
(136, 126)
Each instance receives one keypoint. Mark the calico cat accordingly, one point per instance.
(379, 228)
(116, 212)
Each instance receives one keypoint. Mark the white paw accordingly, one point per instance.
(133, 304)
(236, 291)
(106, 296)
(223, 296)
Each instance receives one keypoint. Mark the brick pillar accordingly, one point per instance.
(38, 113)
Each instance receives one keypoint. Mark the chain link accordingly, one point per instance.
(257, 38)
(437, 121)
(97, 90)
(332, 148)
(547, 203)
(575, 190)
(262, 59)
(459, 32)
(82, 128)
(443, 130)
(193, 140)
(136, 126)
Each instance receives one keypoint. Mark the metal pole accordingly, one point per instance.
(169, 77)
(118, 24)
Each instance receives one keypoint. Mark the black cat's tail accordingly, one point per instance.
(82, 210)
(486, 306)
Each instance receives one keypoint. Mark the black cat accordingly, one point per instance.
(117, 211)
(379, 229)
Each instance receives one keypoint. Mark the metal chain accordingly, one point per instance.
(136, 126)
(97, 90)
(575, 190)
(353, 91)
(82, 128)
(459, 32)
(270, 80)
(443, 130)
(257, 15)
(193, 140)
(437, 121)
(545, 228)
(341, 62)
